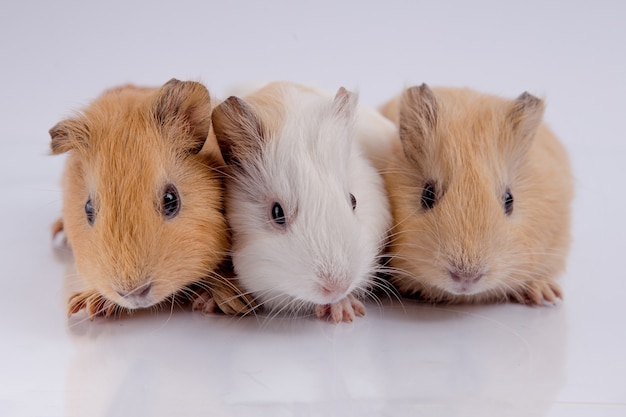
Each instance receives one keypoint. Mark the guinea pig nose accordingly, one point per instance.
(144, 290)
(333, 287)
(327, 289)
(138, 292)
(466, 277)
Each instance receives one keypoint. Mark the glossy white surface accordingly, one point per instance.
(400, 359)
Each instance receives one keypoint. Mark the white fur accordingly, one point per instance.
(310, 167)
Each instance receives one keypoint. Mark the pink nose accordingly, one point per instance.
(333, 288)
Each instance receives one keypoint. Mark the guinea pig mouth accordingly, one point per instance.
(463, 283)
(135, 303)
(139, 297)
(463, 289)
(332, 292)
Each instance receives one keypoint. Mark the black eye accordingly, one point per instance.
(428, 196)
(278, 215)
(91, 216)
(508, 202)
(171, 202)
(353, 201)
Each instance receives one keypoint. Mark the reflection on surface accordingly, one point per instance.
(409, 358)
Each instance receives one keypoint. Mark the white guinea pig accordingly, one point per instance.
(308, 211)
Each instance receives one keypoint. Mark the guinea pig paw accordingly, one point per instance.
(230, 299)
(92, 302)
(57, 227)
(542, 293)
(234, 306)
(345, 310)
(204, 302)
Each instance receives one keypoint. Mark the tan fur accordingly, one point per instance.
(260, 116)
(269, 103)
(391, 110)
(477, 146)
(124, 148)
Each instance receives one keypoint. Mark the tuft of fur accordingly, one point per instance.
(472, 148)
(295, 146)
(123, 151)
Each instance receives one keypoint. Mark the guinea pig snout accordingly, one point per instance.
(464, 281)
(333, 288)
(465, 277)
(138, 296)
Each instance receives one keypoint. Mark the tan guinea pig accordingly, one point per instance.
(142, 204)
(480, 191)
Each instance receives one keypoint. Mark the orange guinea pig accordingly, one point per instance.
(480, 191)
(143, 201)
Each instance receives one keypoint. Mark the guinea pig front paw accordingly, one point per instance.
(540, 293)
(92, 302)
(236, 304)
(203, 301)
(345, 310)
(224, 298)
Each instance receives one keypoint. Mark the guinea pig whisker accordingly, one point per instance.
(300, 309)
(261, 299)
(222, 172)
(409, 173)
(396, 233)
(284, 306)
(367, 292)
(410, 259)
(387, 288)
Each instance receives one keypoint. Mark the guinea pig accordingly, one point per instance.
(142, 201)
(307, 210)
(480, 191)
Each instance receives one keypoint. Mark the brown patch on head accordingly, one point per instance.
(417, 121)
(67, 135)
(524, 117)
(138, 144)
(238, 130)
(244, 126)
(187, 103)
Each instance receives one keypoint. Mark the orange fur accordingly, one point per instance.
(473, 147)
(124, 148)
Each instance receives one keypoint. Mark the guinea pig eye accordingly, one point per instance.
(91, 216)
(171, 202)
(508, 202)
(278, 215)
(353, 201)
(429, 198)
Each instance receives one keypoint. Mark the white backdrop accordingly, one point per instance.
(410, 359)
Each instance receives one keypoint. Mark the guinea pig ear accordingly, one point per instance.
(187, 102)
(344, 104)
(238, 130)
(418, 120)
(525, 116)
(66, 135)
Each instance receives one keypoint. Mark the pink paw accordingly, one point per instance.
(204, 302)
(345, 310)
